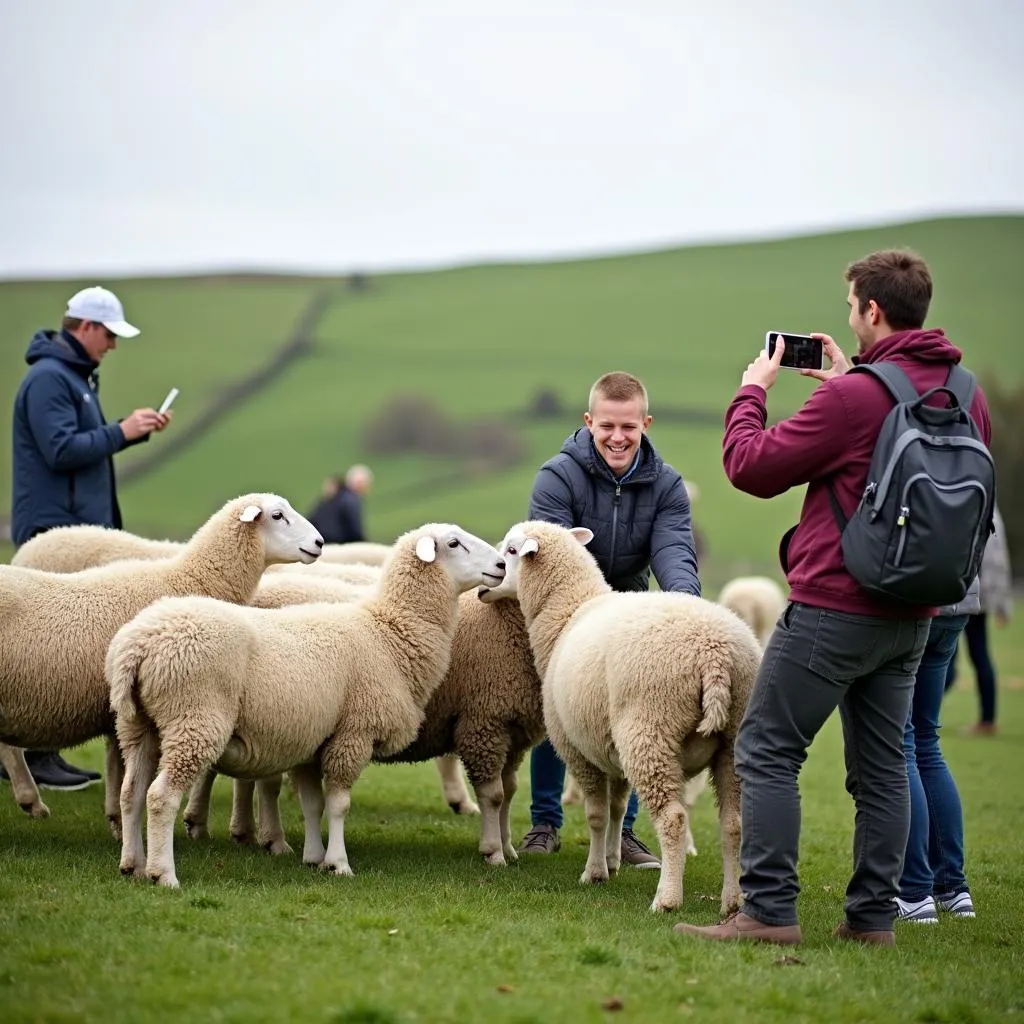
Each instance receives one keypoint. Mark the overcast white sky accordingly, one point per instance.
(143, 136)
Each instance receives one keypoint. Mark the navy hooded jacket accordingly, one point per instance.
(640, 522)
(63, 470)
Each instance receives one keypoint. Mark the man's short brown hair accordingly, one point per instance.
(900, 283)
(71, 323)
(618, 387)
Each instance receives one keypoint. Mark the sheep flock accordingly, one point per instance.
(258, 652)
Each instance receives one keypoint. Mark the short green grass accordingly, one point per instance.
(425, 932)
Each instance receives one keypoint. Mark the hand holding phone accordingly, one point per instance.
(171, 396)
(802, 351)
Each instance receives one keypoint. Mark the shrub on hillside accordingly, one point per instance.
(415, 424)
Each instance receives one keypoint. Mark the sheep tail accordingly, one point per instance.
(715, 693)
(124, 659)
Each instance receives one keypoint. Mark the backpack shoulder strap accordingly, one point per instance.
(897, 382)
(963, 384)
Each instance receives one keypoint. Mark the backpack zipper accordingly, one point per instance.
(904, 515)
(881, 487)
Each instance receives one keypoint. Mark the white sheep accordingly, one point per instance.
(73, 548)
(758, 600)
(313, 689)
(364, 552)
(640, 689)
(486, 712)
(56, 628)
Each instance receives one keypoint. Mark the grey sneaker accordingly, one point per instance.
(959, 904)
(918, 911)
(541, 839)
(634, 852)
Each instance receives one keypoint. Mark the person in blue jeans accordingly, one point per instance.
(933, 868)
(609, 478)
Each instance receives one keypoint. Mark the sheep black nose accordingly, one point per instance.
(501, 564)
(319, 542)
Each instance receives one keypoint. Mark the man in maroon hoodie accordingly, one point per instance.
(836, 645)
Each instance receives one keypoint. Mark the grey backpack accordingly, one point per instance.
(924, 518)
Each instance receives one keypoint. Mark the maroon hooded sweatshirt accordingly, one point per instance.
(831, 440)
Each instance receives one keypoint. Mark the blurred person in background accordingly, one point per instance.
(339, 513)
(997, 602)
(63, 467)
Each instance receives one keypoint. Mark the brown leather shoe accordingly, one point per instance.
(869, 938)
(740, 927)
(980, 729)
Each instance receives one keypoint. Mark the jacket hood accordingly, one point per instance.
(55, 345)
(580, 448)
(923, 346)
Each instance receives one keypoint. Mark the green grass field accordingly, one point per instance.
(425, 932)
(482, 341)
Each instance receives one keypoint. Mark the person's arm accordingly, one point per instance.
(809, 444)
(53, 420)
(673, 554)
(551, 498)
(996, 577)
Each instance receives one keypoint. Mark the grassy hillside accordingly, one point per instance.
(482, 341)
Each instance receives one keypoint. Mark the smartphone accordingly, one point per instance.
(802, 351)
(171, 396)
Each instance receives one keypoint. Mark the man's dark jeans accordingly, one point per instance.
(818, 660)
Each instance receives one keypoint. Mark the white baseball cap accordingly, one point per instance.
(101, 307)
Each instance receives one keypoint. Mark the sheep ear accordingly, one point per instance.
(582, 534)
(250, 514)
(426, 549)
(530, 546)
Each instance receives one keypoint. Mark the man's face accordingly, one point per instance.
(96, 339)
(861, 323)
(617, 428)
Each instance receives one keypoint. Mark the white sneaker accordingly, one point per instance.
(958, 904)
(918, 911)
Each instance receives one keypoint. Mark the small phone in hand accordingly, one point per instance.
(802, 352)
(171, 396)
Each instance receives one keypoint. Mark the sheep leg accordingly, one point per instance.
(191, 746)
(727, 792)
(571, 792)
(140, 760)
(306, 780)
(243, 824)
(342, 762)
(26, 792)
(618, 798)
(656, 772)
(594, 784)
(163, 801)
(113, 779)
(454, 785)
(271, 830)
(197, 810)
(692, 789)
(491, 794)
(509, 783)
(483, 747)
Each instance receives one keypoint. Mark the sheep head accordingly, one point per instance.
(287, 536)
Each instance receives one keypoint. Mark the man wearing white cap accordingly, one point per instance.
(63, 470)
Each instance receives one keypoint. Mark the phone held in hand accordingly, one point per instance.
(802, 352)
(171, 396)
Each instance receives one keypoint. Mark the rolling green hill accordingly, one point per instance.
(482, 341)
